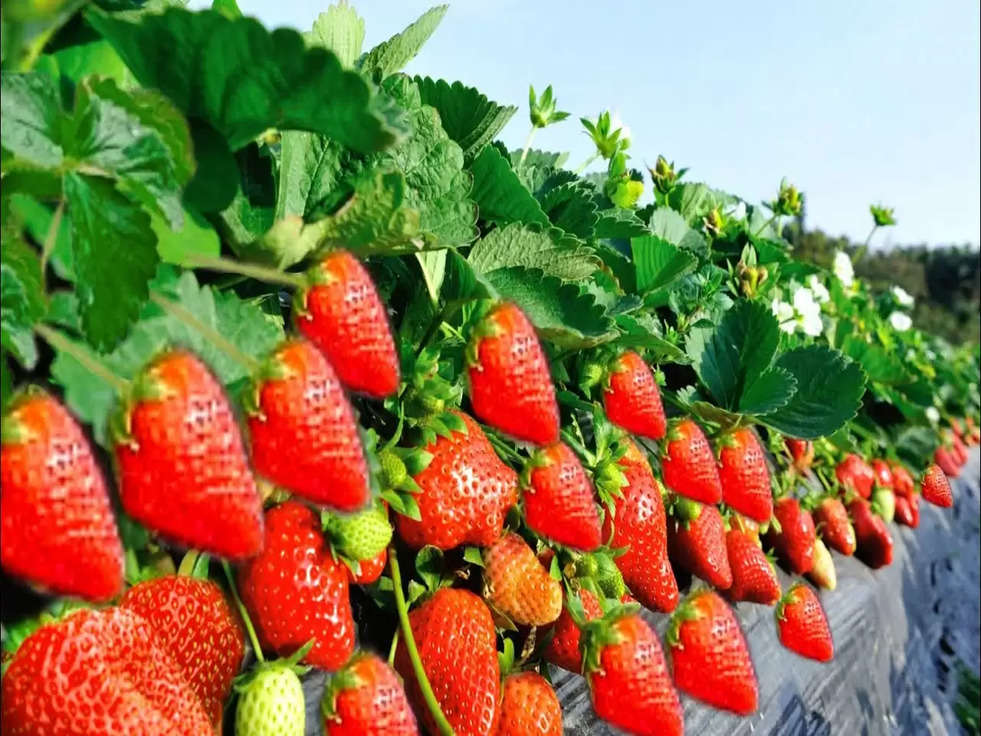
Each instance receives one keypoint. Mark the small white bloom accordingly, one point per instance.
(932, 414)
(904, 298)
(616, 122)
(804, 302)
(812, 324)
(784, 312)
(843, 268)
(900, 321)
(819, 290)
(739, 211)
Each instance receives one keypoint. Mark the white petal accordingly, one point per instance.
(900, 321)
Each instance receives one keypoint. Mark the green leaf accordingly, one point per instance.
(560, 311)
(670, 226)
(694, 200)
(772, 389)
(97, 57)
(499, 194)
(468, 117)
(390, 56)
(552, 252)
(115, 254)
(619, 223)
(243, 79)
(216, 180)
(341, 30)
(196, 237)
(878, 363)
(228, 8)
(572, 207)
(310, 168)
(829, 392)
(638, 332)
(462, 283)
(433, 264)
(30, 118)
(36, 219)
(658, 262)
(22, 300)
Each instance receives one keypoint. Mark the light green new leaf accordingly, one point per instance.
(97, 57)
(499, 194)
(21, 298)
(527, 246)
(339, 29)
(658, 262)
(468, 117)
(670, 226)
(390, 56)
(30, 118)
(197, 237)
(433, 265)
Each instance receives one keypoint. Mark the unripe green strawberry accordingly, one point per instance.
(884, 502)
(271, 704)
(360, 536)
(392, 469)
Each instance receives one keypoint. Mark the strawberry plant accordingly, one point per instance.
(270, 300)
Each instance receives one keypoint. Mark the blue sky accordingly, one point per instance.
(855, 102)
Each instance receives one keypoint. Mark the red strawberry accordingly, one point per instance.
(628, 677)
(832, 523)
(709, 654)
(903, 483)
(58, 529)
(516, 584)
(457, 644)
(874, 541)
(638, 524)
(366, 699)
(947, 461)
(883, 473)
(753, 577)
(794, 543)
(632, 399)
(689, 466)
(182, 467)
(295, 591)
(802, 452)
(744, 475)
(802, 625)
(563, 648)
(466, 491)
(303, 430)
(856, 475)
(908, 510)
(510, 384)
(823, 573)
(371, 569)
(98, 672)
(959, 450)
(558, 499)
(936, 488)
(529, 707)
(697, 542)
(342, 315)
(195, 624)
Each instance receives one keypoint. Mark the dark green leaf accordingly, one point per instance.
(22, 300)
(532, 247)
(390, 56)
(309, 169)
(499, 194)
(658, 262)
(771, 390)
(216, 180)
(572, 207)
(468, 117)
(878, 363)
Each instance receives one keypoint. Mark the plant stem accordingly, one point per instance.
(51, 238)
(586, 163)
(765, 225)
(442, 724)
(392, 649)
(860, 253)
(260, 273)
(216, 338)
(56, 340)
(528, 140)
(242, 612)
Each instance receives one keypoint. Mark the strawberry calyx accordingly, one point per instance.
(599, 633)
(786, 599)
(145, 386)
(18, 632)
(13, 431)
(243, 682)
(684, 509)
(486, 326)
(194, 564)
(427, 392)
(272, 368)
(687, 610)
(344, 679)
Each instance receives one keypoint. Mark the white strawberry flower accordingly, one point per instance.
(904, 298)
(843, 268)
(820, 291)
(784, 312)
(933, 415)
(900, 321)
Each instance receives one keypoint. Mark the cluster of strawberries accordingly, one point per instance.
(569, 543)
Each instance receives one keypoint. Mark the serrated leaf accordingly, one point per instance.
(36, 219)
(473, 556)
(772, 389)
(658, 262)
(433, 265)
(694, 200)
(30, 118)
(390, 56)
(619, 223)
(550, 251)
(341, 30)
(22, 300)
(670, 226)
(571, 207)
(637, 332)
(310, 168)
(878, 363)
(462, 283)
(468, 117)
(499, 194)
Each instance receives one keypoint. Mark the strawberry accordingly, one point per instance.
(874, 546)
(366, 698)
(510, 384)
(884, 503)
(628, 676)
(58, 529)
(697, 542)
(342, 314)
(802, 453)
(98, 672)
(638, 525)
(516, 584)
(295, 591)
(709, 655)
(908, 510)
(832, 523)
(558, 499)
(960, 450)
(945, 458)
(855, 475)
(368, 570)
(195, 624)
(794, 543)
(823, 573)
(632, 400)
(466, 491)
(753, 576)
(304, 432)
(454, 633)
(271, 700)
(935, 487)
(744, 475)
(529, 707)
(360, 536)
(802, 625)
(563, 649)
(182, 466)
(883, 473)
(903, 483)
(689, 466)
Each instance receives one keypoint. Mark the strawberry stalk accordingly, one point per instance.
(183, 315)
(242, 612)
(251, 270)
(410, 644)
(50, 238)
(83, 356)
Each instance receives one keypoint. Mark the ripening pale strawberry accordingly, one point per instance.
(529, 707)
(802, 452)
(638, 524)
(874, 543)
(855, 475)
(342, 314)
(832, 523)
(697, 543)
(516, 584)
(510, 383)
(802, 624)
(753, 576)
(632, 400)
(884, 503)
(903, 483)
(558, 499)
(944, 458)
(465, 492)
(628, 677)
(194, 622)
(709, 656)
(744, 475)
(295, 591)
(563, 649)
(182, 466)
(58, 529)
(366, 698)
(271, 703)
(883, 473)
(908, 510)
(935, 488)
(823, 573)
(98, 672)
(457, 643)
(689, 466)
(794, 543)
(304, 434)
